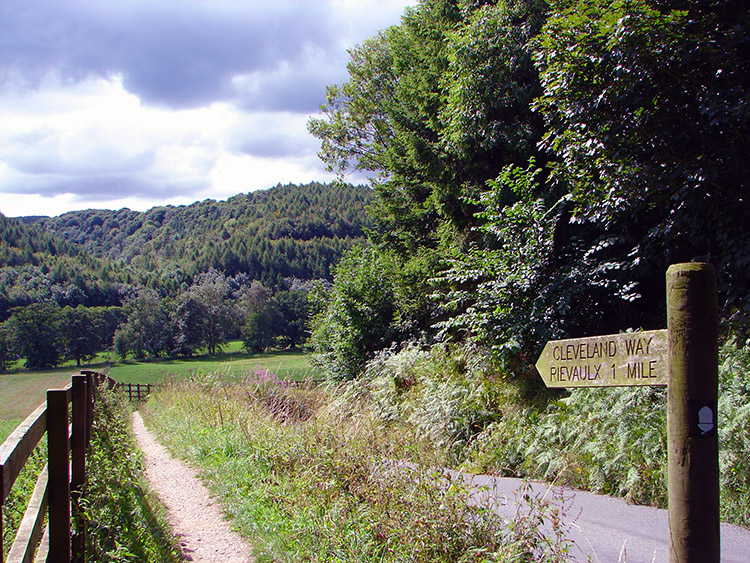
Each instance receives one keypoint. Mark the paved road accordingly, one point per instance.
(608, 529)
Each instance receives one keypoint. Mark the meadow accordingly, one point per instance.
(22, 391)
(233, 363)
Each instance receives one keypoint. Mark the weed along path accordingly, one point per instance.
(205, 536)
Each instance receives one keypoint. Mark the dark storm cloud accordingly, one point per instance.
(179, 54)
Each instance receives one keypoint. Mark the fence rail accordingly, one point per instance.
(136, 391)
(66, 418)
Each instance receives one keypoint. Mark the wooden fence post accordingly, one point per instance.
(59, 475)
(78, 460)
(89, 405)
(692, 443)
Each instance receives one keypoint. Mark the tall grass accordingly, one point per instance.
(125, 522)
(610, 441)
(14, 506)
(316, 474)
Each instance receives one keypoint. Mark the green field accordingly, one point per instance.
(233, 363)
(21, 391)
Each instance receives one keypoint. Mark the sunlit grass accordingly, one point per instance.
(232, 363)
(22, 391)
(308, 474)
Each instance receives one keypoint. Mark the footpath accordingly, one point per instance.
(196, 518)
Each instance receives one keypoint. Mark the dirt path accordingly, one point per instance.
(205, 536)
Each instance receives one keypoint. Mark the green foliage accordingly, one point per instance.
(80, 334)
(15, 505)
(36, 335)
(7, 347)
(269, 235)
(613, 441)
(646, 107)
(124, 520)
(447, 395)
(302, 473)
(147, 330)
(435, 107)
(218, 314)
(610, 441)
(355, 317)
(734, 432)
(257, 334)
(523, 283)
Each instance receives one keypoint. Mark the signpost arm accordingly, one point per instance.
(692, 443)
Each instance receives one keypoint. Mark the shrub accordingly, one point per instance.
(448, 394)
(734, 433)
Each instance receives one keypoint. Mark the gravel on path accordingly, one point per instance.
(204, 534)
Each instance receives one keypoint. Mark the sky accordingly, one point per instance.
(137, 103)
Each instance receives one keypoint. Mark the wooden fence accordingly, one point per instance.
(136, 391)
(61, 481)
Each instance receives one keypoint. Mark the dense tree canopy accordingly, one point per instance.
(554, 157)
(286, 231)
(646, 104)
(434, 108)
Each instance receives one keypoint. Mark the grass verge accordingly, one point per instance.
(126, 523)
(302, 473)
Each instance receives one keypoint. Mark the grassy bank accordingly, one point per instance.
(126, 523)
(307, 474)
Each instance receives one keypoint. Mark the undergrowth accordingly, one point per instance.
(14, 506)
(315, 474)
(124, 520)
(610, 441)
(613, 441)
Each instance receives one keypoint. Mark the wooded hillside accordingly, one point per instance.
(284, 231)
(87, 257)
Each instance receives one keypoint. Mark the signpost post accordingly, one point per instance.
(684, 357)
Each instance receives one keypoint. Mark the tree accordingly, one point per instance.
(293, 313)
(646, 105)
(520, 285)
(148, 330)
(435, 107)
(80, 335)
(36, 334)
(261, 329)
(356, 316)
(7, 349)
(220, 317)
(188, 319)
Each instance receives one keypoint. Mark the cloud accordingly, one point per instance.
(156, 101)
(179, 54)
(100, 142)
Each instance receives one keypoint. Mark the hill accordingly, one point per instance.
(286, 231)
(90, 257)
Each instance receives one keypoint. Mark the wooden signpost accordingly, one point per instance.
(630, 358)
(684, 357)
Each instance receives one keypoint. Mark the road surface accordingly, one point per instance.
(606, 529)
